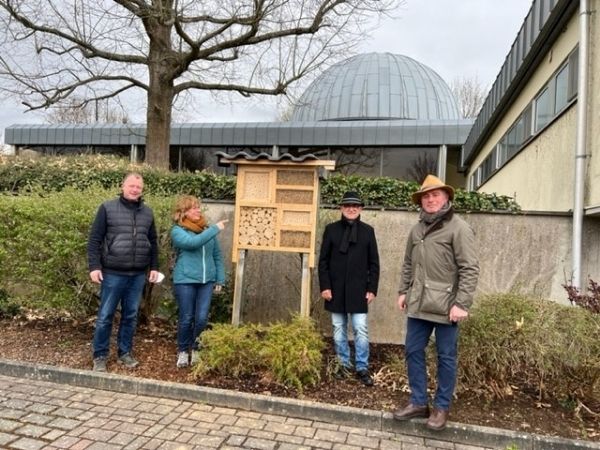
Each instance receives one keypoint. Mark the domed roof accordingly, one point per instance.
(375, 86)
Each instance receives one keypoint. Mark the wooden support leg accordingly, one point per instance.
(305, 291)
(238, 288)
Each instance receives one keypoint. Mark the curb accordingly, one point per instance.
(455, 433)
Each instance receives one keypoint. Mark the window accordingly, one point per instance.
(502, 151)
(573, 73)
(487, 167)
(513, 145)
(519, 131)
(561, 86)
(527, 125)
(543, 111)
(553, 99)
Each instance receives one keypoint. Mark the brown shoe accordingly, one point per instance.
(437, 420)
(411, 411)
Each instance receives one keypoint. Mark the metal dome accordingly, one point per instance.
(377, 86)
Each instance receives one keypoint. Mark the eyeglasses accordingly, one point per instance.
(351, 206)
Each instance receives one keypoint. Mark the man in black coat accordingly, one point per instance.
(348, 278)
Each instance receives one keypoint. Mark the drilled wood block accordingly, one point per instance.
(295, 239)
(256, 186)
(293, 197)
(257, 227)
(296, 177)
(295, 218)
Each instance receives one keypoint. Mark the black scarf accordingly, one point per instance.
(430, 218)
(350, 234)
(435, 221)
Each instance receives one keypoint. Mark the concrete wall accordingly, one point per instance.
(527, 252)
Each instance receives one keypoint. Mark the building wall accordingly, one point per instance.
(525, 252)
(547, 159)
(540, 177)
(593, 135)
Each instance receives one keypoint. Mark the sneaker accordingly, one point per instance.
(195, 357)
(364, 377)
(127, 360)
(99, 364)
(182, 359)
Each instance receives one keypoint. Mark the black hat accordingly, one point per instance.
(351, 198)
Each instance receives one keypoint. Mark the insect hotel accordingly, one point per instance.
(276, 206)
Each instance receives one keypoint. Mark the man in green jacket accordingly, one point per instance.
(439, 278)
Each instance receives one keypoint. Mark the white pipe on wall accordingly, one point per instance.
(580, 147)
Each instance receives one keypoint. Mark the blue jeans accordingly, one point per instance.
(360, 330)
(418, 333)
(193, 301)
(125, 290)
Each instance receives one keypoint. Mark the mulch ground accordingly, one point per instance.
(68, 344)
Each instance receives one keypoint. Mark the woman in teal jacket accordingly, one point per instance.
(198, 270)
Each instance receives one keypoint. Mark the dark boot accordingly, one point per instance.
(411, 412)
(364, 377)
(341, 372)
(437, 420)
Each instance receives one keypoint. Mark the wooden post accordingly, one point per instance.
(305, 290)
(238, 288)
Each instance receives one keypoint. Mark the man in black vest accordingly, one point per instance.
(121, 248)
(348, 278)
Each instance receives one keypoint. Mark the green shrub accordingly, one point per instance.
(53, 174)
(292, 352)
(8, 308)
(43, 254)
(514, 339)
(287, 353)
(43, 262)
(230, 350)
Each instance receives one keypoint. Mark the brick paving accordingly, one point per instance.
(43, 415)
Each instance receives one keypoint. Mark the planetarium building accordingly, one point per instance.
(377, 114)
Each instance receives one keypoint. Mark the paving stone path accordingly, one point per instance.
(43, 415)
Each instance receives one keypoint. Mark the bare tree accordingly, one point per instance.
(77, 110)
(469, 94)
(98, 49)
(422, 166)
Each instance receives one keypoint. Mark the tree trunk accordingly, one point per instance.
(158, 128)
(162, 65)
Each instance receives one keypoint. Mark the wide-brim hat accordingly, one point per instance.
(432, 183)
(351, 198)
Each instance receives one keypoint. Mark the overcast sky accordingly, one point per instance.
(456, 38)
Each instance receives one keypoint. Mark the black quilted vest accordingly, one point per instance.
(126, 245)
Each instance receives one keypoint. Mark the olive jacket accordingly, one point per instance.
(440, 268)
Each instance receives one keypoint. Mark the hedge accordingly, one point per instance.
(53, 174)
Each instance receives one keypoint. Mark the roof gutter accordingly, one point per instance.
(580, 147)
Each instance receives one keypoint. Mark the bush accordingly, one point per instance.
(589, 299)
(43, 254)
(230, 350)
(8, 308)
(514, 339)
(287, 353)
(53, 174)
(292, 352)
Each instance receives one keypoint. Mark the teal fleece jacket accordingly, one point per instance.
(198, 256)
